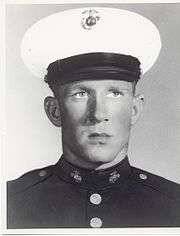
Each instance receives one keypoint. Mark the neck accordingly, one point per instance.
(78, 161)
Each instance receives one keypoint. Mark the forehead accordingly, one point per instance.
(98, 85)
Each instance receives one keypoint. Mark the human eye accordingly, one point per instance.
(80, 94)
(114, 93)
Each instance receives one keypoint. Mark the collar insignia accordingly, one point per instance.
(113, 177)
(76, 175)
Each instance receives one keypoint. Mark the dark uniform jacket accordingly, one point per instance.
(63, 195)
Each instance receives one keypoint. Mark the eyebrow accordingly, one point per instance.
(76, 86)
(119, 88)
(79, 86)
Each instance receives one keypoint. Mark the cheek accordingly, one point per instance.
(120, 115)
(121, 109)
(73, 113)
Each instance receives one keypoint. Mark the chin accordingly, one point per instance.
(96, 155)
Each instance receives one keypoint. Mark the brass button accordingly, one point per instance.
(96, 222)
(143, 176)
(95, 198)
(42, 173)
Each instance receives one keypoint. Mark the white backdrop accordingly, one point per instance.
(32, 142)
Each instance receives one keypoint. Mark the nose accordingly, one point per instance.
(97, 109)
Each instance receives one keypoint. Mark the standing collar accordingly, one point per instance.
(93, 179)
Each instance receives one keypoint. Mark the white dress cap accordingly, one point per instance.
(86, 30)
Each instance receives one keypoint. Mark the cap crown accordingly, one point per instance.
(87, 30)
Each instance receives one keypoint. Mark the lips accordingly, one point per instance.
(100, 135)
(99, 138)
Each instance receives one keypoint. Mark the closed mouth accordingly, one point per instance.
(99, 138)
(99, 135)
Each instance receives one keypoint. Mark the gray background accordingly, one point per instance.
(32, 142)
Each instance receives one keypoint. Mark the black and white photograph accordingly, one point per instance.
(92, 114)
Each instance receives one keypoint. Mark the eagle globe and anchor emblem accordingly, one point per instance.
(90, 19)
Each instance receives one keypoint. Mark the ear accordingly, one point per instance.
(52, 110)
(138, 104)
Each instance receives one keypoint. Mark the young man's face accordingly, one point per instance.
(96, 118)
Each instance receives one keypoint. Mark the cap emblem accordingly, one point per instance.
(90, 18)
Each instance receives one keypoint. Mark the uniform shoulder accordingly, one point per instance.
(158, 183)
(28, 179)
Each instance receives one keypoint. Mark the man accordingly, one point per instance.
(94, 59)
